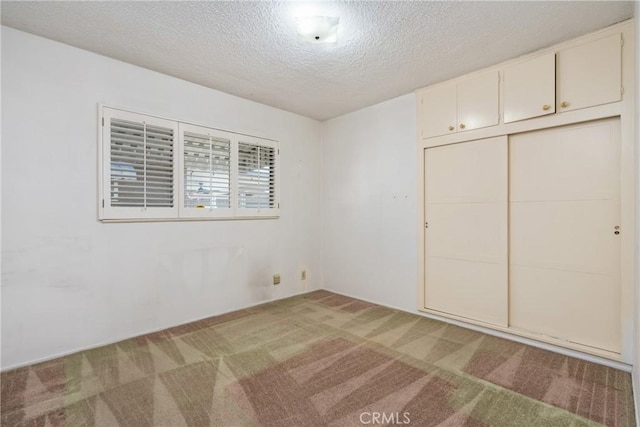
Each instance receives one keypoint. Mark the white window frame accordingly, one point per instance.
(178, 212)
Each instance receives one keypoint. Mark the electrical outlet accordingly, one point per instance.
(276, 279)
(303, 275)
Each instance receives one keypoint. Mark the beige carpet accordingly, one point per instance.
(314, 360)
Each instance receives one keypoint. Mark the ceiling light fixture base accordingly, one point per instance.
(317, 29)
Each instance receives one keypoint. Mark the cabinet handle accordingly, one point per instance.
(451, 128)
(545, 107)
(564, 104)
(462, 126)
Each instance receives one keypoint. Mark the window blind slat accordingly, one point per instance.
(207, 167)
(223, 174)
(142, 164)
(256, 177)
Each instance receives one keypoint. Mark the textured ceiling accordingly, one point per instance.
(250, 49)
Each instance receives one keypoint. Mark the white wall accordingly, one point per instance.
(69, 281)
(636, 358)
(369, 203)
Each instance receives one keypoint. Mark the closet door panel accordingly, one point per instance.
(468, 172)
(467, 289)
(466, 238)
(583, 308)
(564, 254)
(568, 235)
(570, 163)
(471, 231)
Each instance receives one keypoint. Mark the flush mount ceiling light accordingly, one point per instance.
(317, 29)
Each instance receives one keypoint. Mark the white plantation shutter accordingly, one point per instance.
(257, 177)
(139, 159)
(161, 169)
(206, 172)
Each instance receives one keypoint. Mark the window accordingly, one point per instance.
(206, 172)
(155, 168)
(256, 176)
(140, 171)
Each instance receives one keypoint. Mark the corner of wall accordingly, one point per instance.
(322, 132)
(636, 349)
(0, 189)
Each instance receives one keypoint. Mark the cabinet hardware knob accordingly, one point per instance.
(564, 104)
(462, 126)
(616, 232)
(545, 107)
(451, 128)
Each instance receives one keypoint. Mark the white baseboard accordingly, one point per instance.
(488, 331)
(93, 346)
(561, 350)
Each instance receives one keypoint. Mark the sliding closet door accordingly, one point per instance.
(564, 250)
(466, 230)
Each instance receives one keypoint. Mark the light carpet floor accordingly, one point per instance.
(314, 360)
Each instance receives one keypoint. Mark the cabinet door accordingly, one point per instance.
(530, 88)
(590, 74)
(466, 238)
(564, 253)
(439, 110)
(478, 101)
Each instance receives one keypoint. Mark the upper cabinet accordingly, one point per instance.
(530, 88)
(590, 74)
(577, 75)
(471, 103)
(439, 110)
(478, 101)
